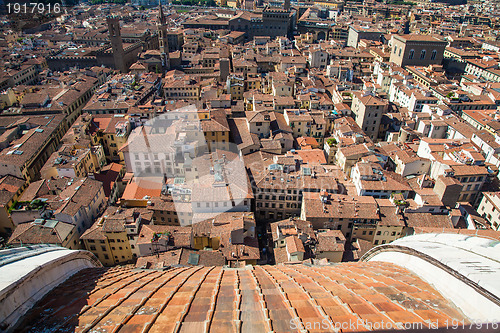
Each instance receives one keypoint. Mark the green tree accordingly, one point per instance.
(331, 141)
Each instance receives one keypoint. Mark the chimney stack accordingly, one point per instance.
(286, 5)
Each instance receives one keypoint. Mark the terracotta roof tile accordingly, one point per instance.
(188, 298)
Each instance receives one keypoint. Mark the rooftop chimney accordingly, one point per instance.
(323, 195)
(286, 5)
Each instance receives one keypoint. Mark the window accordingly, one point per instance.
(376, 242)
(433, 54)
(422, 55)
(378, 232)
(400, 49)
(410, 55)
(92, 248)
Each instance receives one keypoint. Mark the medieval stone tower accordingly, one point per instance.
(163, 39)
(116, 42)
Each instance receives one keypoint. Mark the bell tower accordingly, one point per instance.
(116, 42)
(163, 38)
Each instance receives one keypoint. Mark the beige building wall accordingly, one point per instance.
(489, 209)
(101, 249)
(332, 256)
(386, 234)
(72, 242)
(114, 250)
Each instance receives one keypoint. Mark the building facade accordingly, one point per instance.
(417, 50)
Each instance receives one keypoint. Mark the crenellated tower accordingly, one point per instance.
(116, 42)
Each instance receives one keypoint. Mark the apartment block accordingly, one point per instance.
(368, 111)
(113, 237)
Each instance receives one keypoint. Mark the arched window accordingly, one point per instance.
(422, 54)
(410, 55)
(433, 54)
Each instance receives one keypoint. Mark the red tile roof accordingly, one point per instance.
(257, 299)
